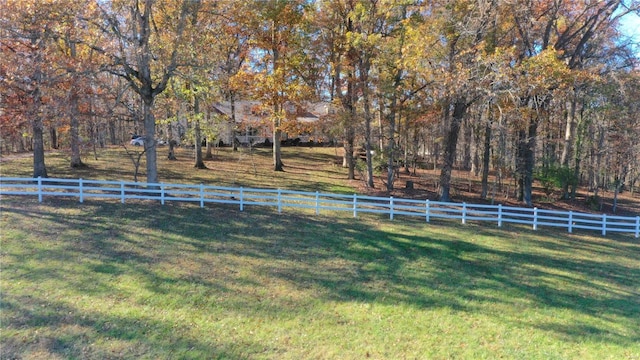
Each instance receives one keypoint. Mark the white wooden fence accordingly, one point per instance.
(355, 204)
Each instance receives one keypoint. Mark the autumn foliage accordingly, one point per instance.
(513, 88)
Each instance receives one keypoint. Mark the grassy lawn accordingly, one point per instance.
(101, 280)
(306, 169)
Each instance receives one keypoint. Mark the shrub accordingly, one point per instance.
(554, 177)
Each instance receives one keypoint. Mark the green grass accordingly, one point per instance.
(103, 280)
(306, 169)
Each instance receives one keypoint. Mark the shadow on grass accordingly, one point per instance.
(81, 334)
(336, 258)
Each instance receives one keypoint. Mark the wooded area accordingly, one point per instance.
(545, 90)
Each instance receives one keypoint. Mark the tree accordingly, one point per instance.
(389, 26)
(278, 61)
(568, 31)
(233, 50)
(459, 29)
(27, 71)
(351, 32)
(609, 134)
(144, 41)
(334, 24)
(79, 70)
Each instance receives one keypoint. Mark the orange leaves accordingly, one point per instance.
(278, 59)
(291, 126)
(241, 81)
(43, 64)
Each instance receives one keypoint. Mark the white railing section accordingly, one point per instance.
(280, 199)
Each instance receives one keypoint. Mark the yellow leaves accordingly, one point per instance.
(359, 40)
(546, 71)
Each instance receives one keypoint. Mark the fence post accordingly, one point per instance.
(122, 191)
(279, 201)
(604, 224)
(241, 199)
(80, 190)
(39, 188)
(570, 227)
(499, 215)
(317, 203)
(427, 212)
(355, 205)
(535, 218)
(464, 213)
(201, 195)
(390, 207)
(637, 227)
(162, 193)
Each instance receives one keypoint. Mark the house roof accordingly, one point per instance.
(306, 117)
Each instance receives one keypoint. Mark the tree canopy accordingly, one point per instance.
(527, 89)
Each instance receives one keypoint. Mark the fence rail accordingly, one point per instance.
(356, 204)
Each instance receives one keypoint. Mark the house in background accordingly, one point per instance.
(253, 125)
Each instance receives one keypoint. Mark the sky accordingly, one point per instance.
(631, 26)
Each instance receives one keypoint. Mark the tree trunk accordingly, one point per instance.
(380, 122)
(391, 145)
(278, 113)
(486, 157)
(617, 184)
(597, 169)
(199, 163)
(364, 86)
(232, 101)
(348, 102)
(172, 143)
(209, 141)
(349, 140)
(569, 133)
(436, 155)
(277, 152)
(172, 153)
(520, 163)
(526, 161)
(578, 150)
(112, 131)
(466, 153)
(74, 113)
(209, 149)
(364, 82)
(39, 167)
(54, 137)
(149, 140)
(405, 156)
(569, 136)
(74, 131)
(475, 164)
(451, 141)
(21, 144)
